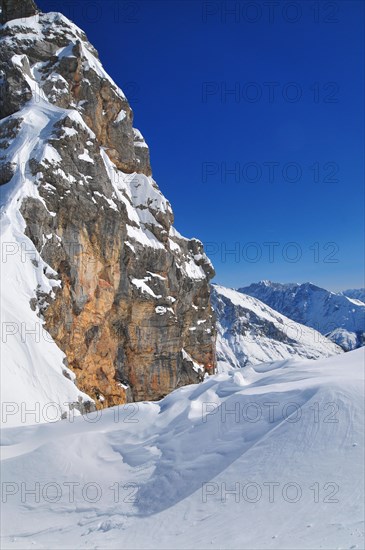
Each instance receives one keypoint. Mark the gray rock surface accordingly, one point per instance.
(16, 9)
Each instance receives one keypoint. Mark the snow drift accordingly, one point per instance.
(268, 456)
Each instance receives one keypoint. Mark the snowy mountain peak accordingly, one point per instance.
(271, 284)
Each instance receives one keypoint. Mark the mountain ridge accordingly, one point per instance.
(250, 332)
(335, 315)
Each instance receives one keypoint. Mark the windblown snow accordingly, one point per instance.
(267, 456)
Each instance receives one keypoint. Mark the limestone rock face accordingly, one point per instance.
(132, 310)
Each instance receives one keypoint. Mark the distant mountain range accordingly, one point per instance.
(339, 316)
(250, 332)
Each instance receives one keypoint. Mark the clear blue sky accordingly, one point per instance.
(292, 128)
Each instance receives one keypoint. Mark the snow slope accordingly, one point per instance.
(315, 307)
(251, 332)
(33, 370)
(355, 294)
(292, 452)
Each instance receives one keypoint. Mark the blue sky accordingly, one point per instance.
(255, 120)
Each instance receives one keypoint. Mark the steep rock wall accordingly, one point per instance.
(132, 312)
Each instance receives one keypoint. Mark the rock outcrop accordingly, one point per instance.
(17, 9)
(132, 308)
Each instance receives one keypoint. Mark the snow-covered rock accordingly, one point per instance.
(355, 294)
(89, 251)
(250, 332)
(315, 307)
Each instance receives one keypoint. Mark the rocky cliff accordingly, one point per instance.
(120, 291)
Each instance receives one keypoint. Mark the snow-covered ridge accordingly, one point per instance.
(336, 315)
(355, 294)
(34, 369)
(250, 332)
(47, 27)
